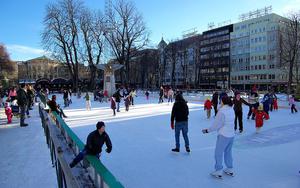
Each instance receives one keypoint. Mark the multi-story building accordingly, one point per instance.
(215, 58)
(45, 68)
(178, 62)
(255, 53)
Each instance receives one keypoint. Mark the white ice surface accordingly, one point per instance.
(25, 158)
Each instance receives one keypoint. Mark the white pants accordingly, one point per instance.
(88, 105)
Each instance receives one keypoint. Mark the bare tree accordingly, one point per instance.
(126, 33)
(172, 57)
(290, 47)
(61, 34)
(92, 30)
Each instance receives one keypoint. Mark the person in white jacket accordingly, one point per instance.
(224, 124)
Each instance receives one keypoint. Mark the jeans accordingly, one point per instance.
(118, 106)
(216, 109)
(80, 156)
(223, 148)
(22, 114)
(293, 108)
(161, 100)
(181, 126)
(170, 99)
(238, 116)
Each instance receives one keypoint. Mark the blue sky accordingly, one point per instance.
(21, 20)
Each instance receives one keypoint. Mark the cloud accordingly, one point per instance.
(22, 53)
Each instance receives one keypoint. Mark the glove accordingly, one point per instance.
(205, 131)
(172, 125)
(108, 150)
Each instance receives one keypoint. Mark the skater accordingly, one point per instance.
(207, 107)
(266, 102)
(66, 98)
(180, 113)
(253, 101)
(260, 115)
(113, 105)
(87, 101)
(272, 98)
(147, 95)
(223, 124)
(105, 95)
(170, 95)
(161, 95)
(275, 103)
(118, 97)
(12, 94)
(70, 96)
(215, 102)
(132, 95)
(8, 112)
(292, 103)
(55, 107)
(22, 102)
(127, 102)
(238, 110)
(94, 143)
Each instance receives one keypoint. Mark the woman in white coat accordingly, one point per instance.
(224, 124)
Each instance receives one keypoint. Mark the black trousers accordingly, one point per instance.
(238, 117)
(216, 109)
(293, 108)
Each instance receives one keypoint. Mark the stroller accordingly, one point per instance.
(15, 108)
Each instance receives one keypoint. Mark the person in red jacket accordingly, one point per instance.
(275, 104)
(207, 107)
(260, 115)
(113, 105)
(8, 112)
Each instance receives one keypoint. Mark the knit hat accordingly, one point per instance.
(100, 124)
(261, 108)
(237, 93)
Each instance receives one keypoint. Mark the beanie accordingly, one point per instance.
(100, 124)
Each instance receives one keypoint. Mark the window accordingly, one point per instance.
(259, 67)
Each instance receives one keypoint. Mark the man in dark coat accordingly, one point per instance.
(94, 143)
(161, 94)
(22, 102)
(238, 109)
(214, 101)
(118, 97)
(180, 113)
(54, 107)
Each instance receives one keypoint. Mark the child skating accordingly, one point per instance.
(260, 115)
(127, 102)
(208, 107)
(8, 112)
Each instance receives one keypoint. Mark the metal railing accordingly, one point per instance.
(63, 144)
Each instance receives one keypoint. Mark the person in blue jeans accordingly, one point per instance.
(94, 143)
(224, 124)
(180, 113)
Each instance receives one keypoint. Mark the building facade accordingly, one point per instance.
(255, 53)
(215, 58)
(43, 67)
(178, 62)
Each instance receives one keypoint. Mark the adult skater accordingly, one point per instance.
(223, 124)
(54, 107)
(87, 101)
(215, 102)
(94, 143)
(161, 95)
(170, 95)
(118, 97)
(238, 110)
(292, 103)
(180, 113)
(253, 101)
(22, 102)
(66, 98)
(266, 102)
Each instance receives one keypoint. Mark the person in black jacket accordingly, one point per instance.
(214, 101)
(94, 143)
(180, 113)
(238, 109)
(22, 102)
(54, 107)
(118, 97)
(161, 94)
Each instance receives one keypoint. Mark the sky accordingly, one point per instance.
(21, 22)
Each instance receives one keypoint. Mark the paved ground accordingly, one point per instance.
(25, 157)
